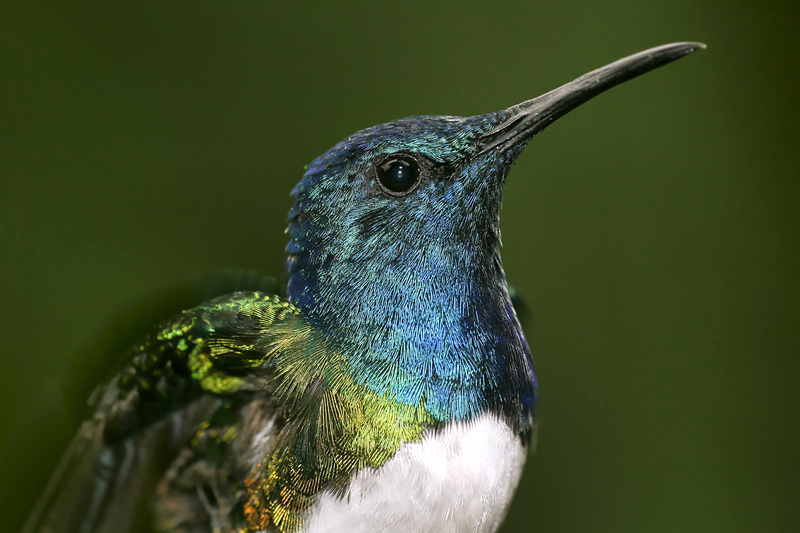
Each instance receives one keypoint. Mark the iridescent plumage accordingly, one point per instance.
(396, 350)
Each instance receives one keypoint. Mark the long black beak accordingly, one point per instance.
(528, 118)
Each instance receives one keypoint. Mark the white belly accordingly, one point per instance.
(460, 479)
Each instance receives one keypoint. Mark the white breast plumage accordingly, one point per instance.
(458, 479)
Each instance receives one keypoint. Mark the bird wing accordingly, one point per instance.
(247, 343)
(156, 403)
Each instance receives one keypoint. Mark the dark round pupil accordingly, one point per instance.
(398, 175)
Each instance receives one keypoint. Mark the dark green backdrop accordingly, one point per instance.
(653, 232)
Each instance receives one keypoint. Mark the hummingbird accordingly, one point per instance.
(391, 388)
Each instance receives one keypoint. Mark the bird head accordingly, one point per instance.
(395, 238)
(400, 204)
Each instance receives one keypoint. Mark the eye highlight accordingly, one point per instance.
(398, 173)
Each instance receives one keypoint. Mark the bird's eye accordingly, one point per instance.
(399, 173)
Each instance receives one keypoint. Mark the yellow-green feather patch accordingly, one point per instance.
(333, 428)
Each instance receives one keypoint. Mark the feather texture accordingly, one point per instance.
(397, 321)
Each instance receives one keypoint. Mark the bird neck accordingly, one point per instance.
(431, 325)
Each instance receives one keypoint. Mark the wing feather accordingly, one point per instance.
(149, 410)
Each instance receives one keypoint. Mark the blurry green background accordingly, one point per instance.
(654, 232)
